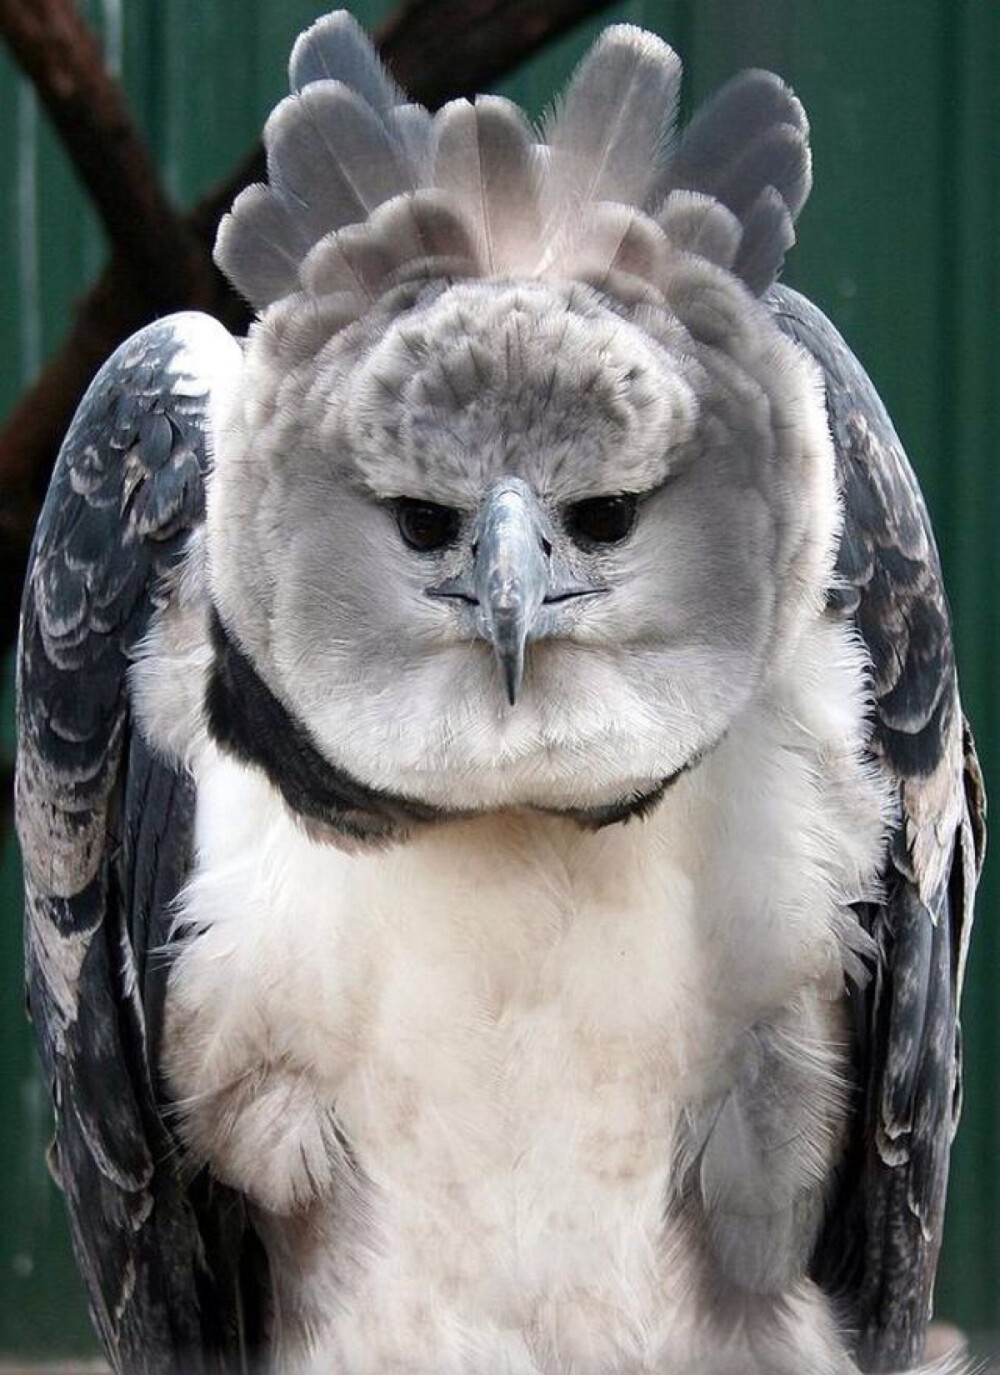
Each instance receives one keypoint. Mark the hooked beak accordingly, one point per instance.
(514, 578)
(511, 576)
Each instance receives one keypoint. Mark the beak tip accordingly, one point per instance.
(512, 673)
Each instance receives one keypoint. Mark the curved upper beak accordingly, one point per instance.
(513, 577)
(510, 576)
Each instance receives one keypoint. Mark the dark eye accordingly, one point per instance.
(426, 526)
(601, 520)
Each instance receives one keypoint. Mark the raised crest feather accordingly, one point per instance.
(329, 154)
(415, 232)
(337, 48)
(601, 196)
(696, 223)
(768, 234)
(485, 158)
(260, 245)
(745, 114)
(608, 134)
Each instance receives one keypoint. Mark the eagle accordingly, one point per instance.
(499, 826)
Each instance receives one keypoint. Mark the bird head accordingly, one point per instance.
(520, 495)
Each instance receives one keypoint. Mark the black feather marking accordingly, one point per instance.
(127, 489)
(879, 1247)
(639, 804)
(247, 720)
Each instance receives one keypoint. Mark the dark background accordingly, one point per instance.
(899, 244)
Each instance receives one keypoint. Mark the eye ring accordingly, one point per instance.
(425, 526)
(601, 520)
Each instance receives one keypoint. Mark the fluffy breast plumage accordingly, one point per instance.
(494, 1073)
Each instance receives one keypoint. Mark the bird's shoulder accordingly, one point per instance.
(880, 1245)
(105, 827)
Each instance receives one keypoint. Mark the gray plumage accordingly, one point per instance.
(355, 994)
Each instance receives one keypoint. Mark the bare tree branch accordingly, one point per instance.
(436, 49)
(151, 241)
(439, 49)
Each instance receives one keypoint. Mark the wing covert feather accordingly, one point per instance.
(105, 830)
(879, 1249)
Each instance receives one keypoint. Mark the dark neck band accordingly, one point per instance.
(247, 721)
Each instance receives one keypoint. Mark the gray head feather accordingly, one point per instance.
(448, 304)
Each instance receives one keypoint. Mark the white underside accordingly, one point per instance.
(511, 1019)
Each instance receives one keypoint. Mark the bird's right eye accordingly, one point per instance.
(425, 526)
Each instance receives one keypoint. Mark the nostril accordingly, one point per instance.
(475, 548)
(546, 547)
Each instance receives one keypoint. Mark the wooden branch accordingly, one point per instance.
(152, 242)
(436, 49)
(439, 49)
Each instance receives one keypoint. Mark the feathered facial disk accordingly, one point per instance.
(521, 494)
(517, 544)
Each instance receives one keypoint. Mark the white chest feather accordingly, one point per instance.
(458, 1075)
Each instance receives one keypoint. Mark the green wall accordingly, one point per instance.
(899, 244)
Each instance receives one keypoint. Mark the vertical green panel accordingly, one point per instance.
(969, 288)
(12, 371)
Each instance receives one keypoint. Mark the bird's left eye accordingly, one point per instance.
(425, 526)
(602, 520)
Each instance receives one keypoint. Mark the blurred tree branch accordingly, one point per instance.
(161, 259)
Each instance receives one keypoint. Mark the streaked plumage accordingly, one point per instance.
(378, 1039)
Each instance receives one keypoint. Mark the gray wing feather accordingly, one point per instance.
(105, 831)
(879, 1249)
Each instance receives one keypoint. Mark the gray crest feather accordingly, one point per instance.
(485, 157)
(745, 107)
(576, 206)
(699, 224)
(613, 242)
(606, 137)
(337, 48)
(413, 129)
(330, 155)
(260, 245)
(300, 324)
(416, 234)
(753, 135)
(778, 156)
(768, 234)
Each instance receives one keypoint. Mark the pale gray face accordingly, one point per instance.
(509, 547)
